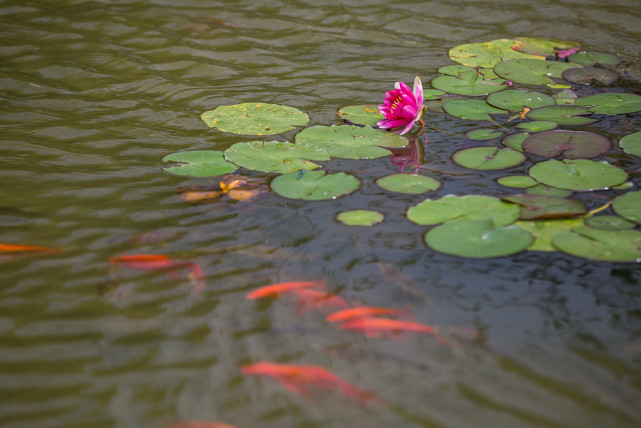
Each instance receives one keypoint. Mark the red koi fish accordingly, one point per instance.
(17, 248)
(365, 312)
(299, 378)
(274, 290)
(199, 424)
(154, 262)
(314, 299)
(375, 327)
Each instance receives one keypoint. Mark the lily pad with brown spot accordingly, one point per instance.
(537, 207)
(570, 144)
(488, 158)
(361, 115)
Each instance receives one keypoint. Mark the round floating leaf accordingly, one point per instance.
(537, 126)
(586, 75)
(274, 156)
(570, 144)
(514, 141)
(361, 115)
(578, 174)
(532, 72)
(314, 185)
(631, 144)
(535, 207)
(488, 158)
(516, 99)
(471, 109)
(470, 207)
(566, 97)
(351, 142)
(542, 47)
(601, 245)
(483, 134)
(542, 189)
(467, 73)
(199, 163)
(609, 222)
(408, 183)
(360, 218)
(563, 115)
(545, 230)
(487, 54)
(593, 58)
(254, 118)
(477, 239)
(611, 103)
(517, 181)
(628, 206)
(432, 94)
(468, 85)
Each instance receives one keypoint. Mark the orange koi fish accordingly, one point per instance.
(314, 299)
(299, 378)
(364, 312)
(199, 424)
(16, 248)
(375, 327)
(274, 290)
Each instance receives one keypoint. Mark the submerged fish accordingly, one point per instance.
(365, 312)
(375, 327)
(274, 290)
(17, 248)
(314, 299)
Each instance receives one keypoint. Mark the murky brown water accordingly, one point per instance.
(94, 94)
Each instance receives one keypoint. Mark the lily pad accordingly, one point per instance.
(255, 118)
(628, 206)
(471, 109)
(517, 181)
(483, 134)
(314, 185)
(275, 156)
(631, 144)
(360, 218)
(351, 142)
(570, 144)
(541, 46)
(545, 230)
(542, 189)
(488, 158)
(563, 115)
(609, 222)
(586, 75)
(361, 115)
(477, 239)
(594, 58)
(408, 183)
(536, 207)
(578, 174)
(537, 126)
(470, 207)
(515, 141)
(468, 85)
(488, 54)
(517, 99)
(611, 103)
(601, 245)
(566, 97)
(532, 71)
(465, 72)
(199, 163)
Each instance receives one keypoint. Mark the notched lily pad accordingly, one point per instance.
(314, 185)
(517, 181)
(255, 118)
(628, 206)
(537, 126)
(360, 217)
(587, 75)
(361, 115)
(631, 144)
(408, 183)
(578, 174)
(609, 222)
(450, 208)
(537, 207)
(488, 158)
(468, 84)
(532, 72)
(566, 97)
(471, 109)
(563, 115)
(611, 103)
(593, 58)
(542, 46)
(542, 189)
(517, 99)
(487, 54)
(601, 245)
(483, 134)
(199, 163)
(275, 156)
(570, 144)
(515, 141)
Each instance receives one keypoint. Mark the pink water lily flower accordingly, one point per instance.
(402, 107)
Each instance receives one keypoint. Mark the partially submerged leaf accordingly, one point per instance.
(570, 144)
(593, 58)
(536, 207)
(360, 217)
(544, 231)
(488, 54)
(601, 245)
(587, 75)
(255, 118)
(275, 156)
(361, 115)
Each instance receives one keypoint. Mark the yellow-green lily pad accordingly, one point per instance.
(470, 207)
(601, 245)
(487, 54)
(545, 230)
(408, 183)
(628, 206)
(360, 217)
(361, 115)
(314, 185)
(488, 158)
(255, 118)
(515, 141)
(199, 163)
(275, 156)
(578, 174)
(631, 144)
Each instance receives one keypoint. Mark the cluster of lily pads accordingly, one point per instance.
(491, 82)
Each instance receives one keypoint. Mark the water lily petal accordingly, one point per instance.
(408, 127)
(418, 93)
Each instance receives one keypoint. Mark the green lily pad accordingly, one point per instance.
(465, 72)
(594, 58)
(483, 134)
(517, 181)
(477, 239)
(545, 230)
(468, 84)
(471, 109)
(488, 54)
(360, 217)
(609, 222)
(570, 144)
(537, 126)
(517, 99)
(515, 141)
(563, 115)
(275, 156)
(532, 71)
(611, 103)
(314, 185)
(541, 46)
(566, 97)
(470, 207)
(350, 142)
(631, 144)
(255, 118)
(361, 115)
(578, 174)
(542, 189)
(432, 94)
(587, 75)
(488, 158)
(628, 206)
(199, 163)
(408, 183)
(536, 207)
(601, 245)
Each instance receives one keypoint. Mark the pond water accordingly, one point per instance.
(95, 94)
